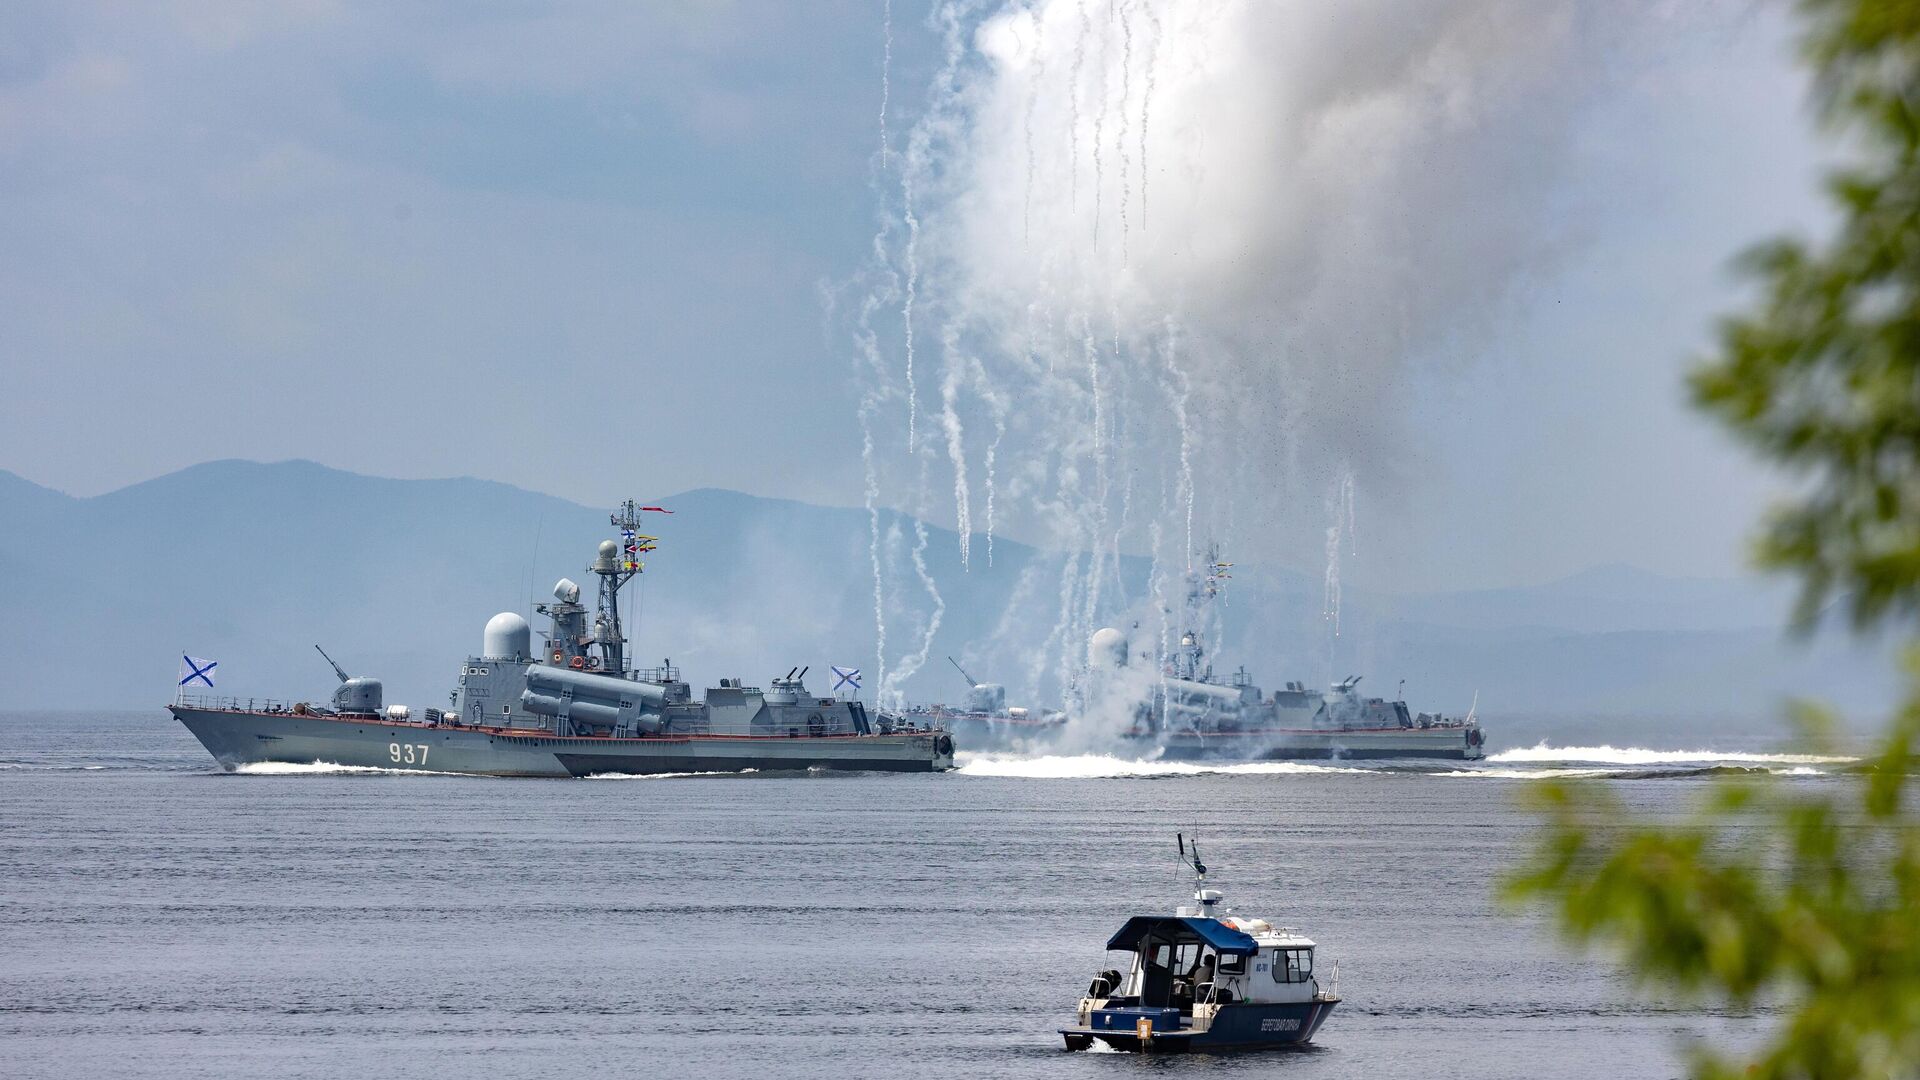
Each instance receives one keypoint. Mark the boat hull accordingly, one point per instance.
(237, 737)
(1233, 1028)
(1448, 744)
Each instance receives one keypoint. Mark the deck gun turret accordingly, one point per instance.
(989, 698)
(354, 695)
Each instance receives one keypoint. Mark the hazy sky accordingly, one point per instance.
(586, 253)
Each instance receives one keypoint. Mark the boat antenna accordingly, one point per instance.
(1193, 859)
(336, 667)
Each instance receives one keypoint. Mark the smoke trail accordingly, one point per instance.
(1099, 128)
(1146, 102)
(886, 72)
(1120, 136)
(906, 308)
(956, 447)
(1178, 389)
(911, 663)
(873, 548)
(921, 150)
(1092, 350)
(993, 450)
(1034, 79)
(1353, 530)
(1340, 509)
(1073, 120)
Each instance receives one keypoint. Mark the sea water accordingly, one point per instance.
(161, 918)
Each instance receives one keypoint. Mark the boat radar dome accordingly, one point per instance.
(507, 637)
(566, 591)
(1108, 648)
(608, 558)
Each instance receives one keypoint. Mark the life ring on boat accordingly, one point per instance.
(578, 663)
(593, 663)
(558, 656)
(943, 745)
(1475, 737)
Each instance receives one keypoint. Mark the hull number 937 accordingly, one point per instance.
(407, 753)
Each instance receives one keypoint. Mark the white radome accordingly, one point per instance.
(1108, 649)
(507, 637)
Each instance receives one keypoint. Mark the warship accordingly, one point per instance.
(573, 707)
(984, 721)
(1179, 707)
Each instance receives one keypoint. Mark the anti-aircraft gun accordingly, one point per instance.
(988, 698)
(355, 696)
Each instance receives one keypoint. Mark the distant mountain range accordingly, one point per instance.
(252, 564)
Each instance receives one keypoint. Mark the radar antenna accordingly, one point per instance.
(336, 667)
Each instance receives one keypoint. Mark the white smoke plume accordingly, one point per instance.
(1340, 195)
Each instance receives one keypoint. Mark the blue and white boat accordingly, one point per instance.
(1205, 980)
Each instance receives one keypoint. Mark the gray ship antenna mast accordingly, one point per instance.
(1205, 587)
(614, 574)
(337, 670)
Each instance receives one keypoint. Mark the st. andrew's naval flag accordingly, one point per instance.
(846, 677)
(195, 672)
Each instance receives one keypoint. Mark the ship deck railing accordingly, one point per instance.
(229, 703)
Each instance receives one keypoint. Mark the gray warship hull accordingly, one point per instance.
(1385, 744)
(238, 736)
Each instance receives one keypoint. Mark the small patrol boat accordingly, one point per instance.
(1205, 980)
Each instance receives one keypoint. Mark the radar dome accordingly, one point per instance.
(507, 637)
(566, 591)
(609, 555)
(1108, 649)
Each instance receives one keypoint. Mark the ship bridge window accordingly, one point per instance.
(1292, 965)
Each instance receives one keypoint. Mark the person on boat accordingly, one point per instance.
(1202, 974)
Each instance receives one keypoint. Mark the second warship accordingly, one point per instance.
(1179, 707)
(574, 707)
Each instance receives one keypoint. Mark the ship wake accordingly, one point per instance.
(323, 768)
(1101, 766)
(1633, 755)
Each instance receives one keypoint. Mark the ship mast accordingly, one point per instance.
(1203, 586)
(615, 568)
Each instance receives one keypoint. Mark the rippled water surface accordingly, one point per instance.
(160, 918)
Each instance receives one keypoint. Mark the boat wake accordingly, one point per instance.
(1541, 762)
(1100, 766)
(1642, 773)
(1631, 755)
(324, 768)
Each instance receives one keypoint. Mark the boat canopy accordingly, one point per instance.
(1180, 931)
